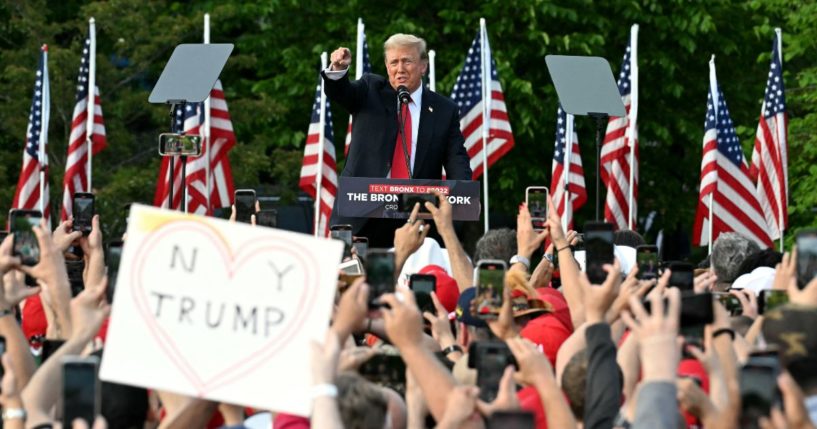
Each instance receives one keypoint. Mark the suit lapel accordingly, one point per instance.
(388, 97)
(425, 130)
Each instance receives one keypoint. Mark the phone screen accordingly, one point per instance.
(25, 242)
(536, 198)
(730, 302)
(771, 299)
(490, 358)
(389, 370)
(244, 205)
(423, 285)
(344, 234)
(647, 259)
(83, 212)
(511, 420)
(379, 274)
(490, 283)
(113, 258)
(806, 257)
(268, 218)
(696, 312)
(407, 202)
(80, 393)
(598, 243)
(361, 245)
(682, 276)
(757, 390)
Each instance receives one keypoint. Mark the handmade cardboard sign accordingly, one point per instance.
(219, 310)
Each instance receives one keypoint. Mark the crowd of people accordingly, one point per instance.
(559, 352)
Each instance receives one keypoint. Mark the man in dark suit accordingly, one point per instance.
(433, 139)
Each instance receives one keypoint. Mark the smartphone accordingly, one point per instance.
(49, 348)
(25, 242)
(112, 259)
(361, 245)
(511, 420)
(598, 244)
(536, 198)
(489, 358)
(758, 387)
(682, 276)
(2, 352)
(489, 276)
(267, 217)
(379, 275)
(647, 259)
(770, 299)
(83, 212)
(423, 285)
(730, 302)
(806, 257)
(80, 389)
(696, 312)
(171, 144)
(244, 205)
(387, 369)
(407, 201)
(344, 234)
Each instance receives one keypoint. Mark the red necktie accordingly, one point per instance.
(398, 161)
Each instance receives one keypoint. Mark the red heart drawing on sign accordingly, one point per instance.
(237, 362)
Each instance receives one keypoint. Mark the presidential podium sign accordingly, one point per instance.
(393, 198)
(218, 310)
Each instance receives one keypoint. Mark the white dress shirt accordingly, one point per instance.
(414, 108)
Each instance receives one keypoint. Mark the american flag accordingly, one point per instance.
(578, 192)
(189, 119)
(468, 95)
(725, 177)
(27, 195)
(309, 169)
(615, 157)
(360, 69)
(76, 178)
(770, 156)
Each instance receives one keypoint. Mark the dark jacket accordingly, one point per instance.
(602, 396)
(373, 103)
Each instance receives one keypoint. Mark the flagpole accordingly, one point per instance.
(91, 111)
(432, 74)
(568, 148)
(45, 112)
(485, 65)
(713, 88)
(633, 116)
(207, 124)
(359, 51)
(782, 152)
(321, 136)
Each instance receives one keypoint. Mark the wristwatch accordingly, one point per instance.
(518, 259)
(14, 413)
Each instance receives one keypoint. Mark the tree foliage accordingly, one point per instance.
(270, 79)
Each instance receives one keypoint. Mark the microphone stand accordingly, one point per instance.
(401, 120)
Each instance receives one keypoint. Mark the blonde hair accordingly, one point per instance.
(406, 40)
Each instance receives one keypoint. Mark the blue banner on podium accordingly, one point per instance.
(394, 198)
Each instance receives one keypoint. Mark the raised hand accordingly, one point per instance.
(440, 325)
(403, 322)
(63, 236)
(442, 215)
(340, 59)
(527, 240)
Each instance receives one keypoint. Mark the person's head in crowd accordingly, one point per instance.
(406, 60)
(764, 258)
(574, 381)
(361, 403)
(728, 252)
(496, 244)
(471, 328)
(628, 237)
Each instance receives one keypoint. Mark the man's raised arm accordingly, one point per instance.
(350, 95)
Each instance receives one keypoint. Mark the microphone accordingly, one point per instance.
(403, 94)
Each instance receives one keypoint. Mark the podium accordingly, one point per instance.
(369, 197)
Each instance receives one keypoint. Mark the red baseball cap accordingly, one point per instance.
(447, 291)
(559, 304)
(548, 332)
(34, 321)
